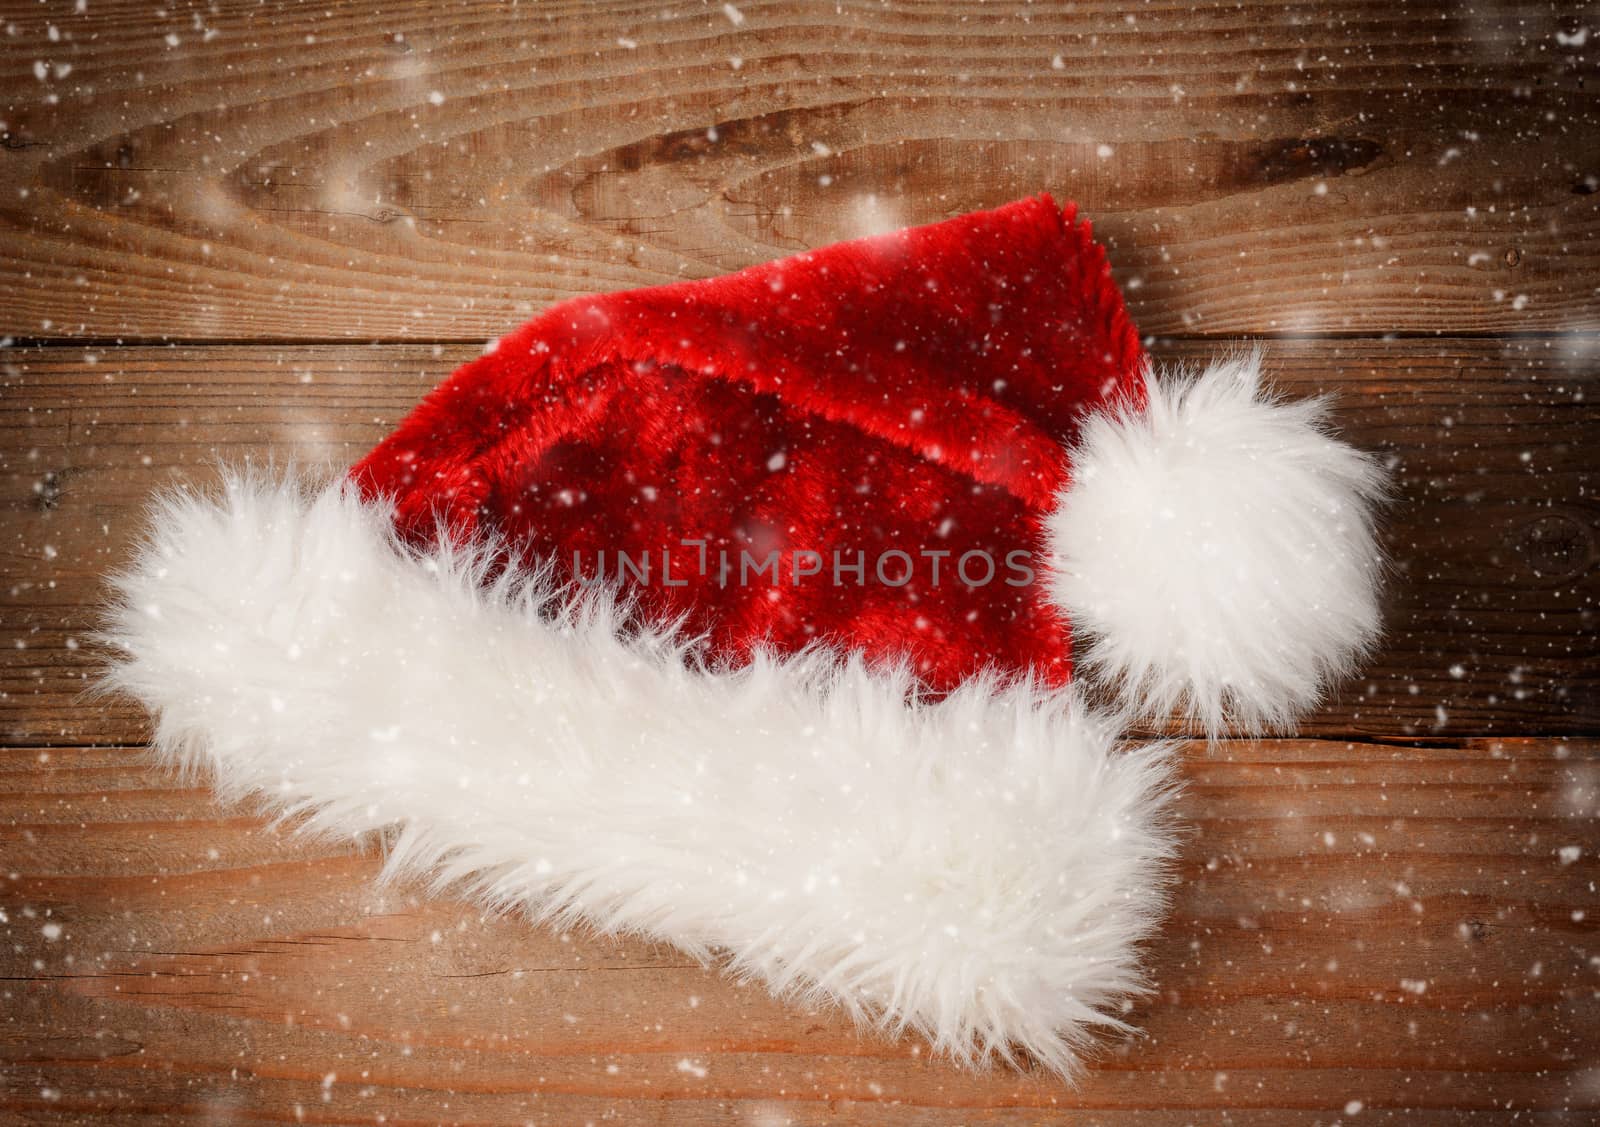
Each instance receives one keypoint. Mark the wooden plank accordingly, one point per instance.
(1391, 929)
(363, 170)
(1492, 537)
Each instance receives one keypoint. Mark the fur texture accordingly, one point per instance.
(980, 869)
(1215, 550)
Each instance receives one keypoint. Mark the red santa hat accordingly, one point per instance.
(856, 517)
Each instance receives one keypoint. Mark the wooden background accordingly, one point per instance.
(263, 230)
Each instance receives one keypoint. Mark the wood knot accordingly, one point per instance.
(1556, 546)
(1296, 158)
(47, 492)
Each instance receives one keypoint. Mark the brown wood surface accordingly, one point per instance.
(1392, 923)
(1358, 924)
(367, 171)
(1493, 537)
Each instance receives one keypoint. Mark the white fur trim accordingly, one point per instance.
(980, 870)
(1215, 551)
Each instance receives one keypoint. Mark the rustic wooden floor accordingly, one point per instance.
(263, 230)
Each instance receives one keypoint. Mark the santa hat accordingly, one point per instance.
(742, 613)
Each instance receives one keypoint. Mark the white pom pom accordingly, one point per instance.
(1215, 551)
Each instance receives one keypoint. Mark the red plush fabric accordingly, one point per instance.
(910, 392)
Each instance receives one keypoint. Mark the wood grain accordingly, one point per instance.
(1493, 536)
(356, 170)
(333, 204)
(1395, 929)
